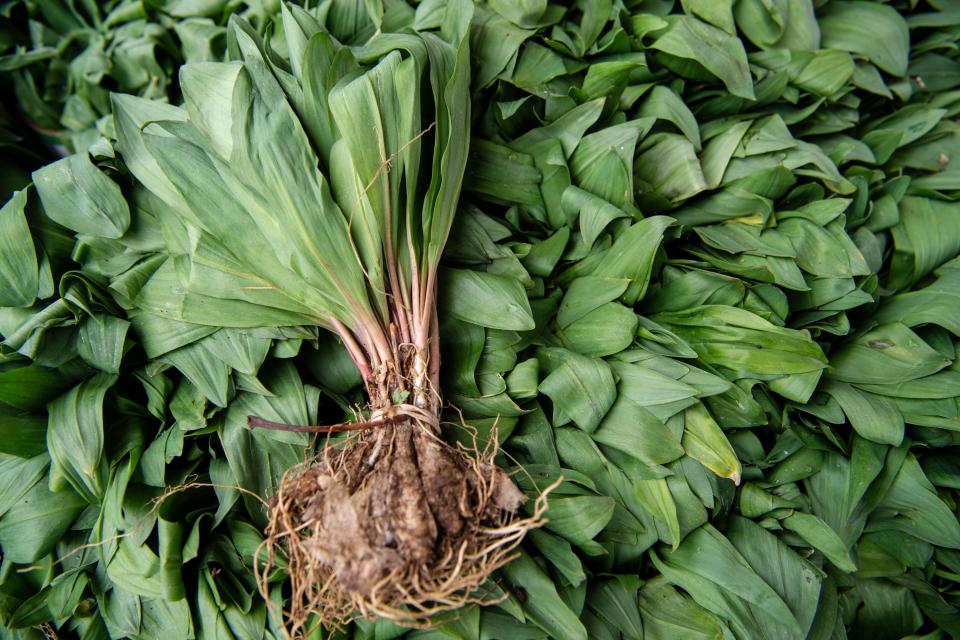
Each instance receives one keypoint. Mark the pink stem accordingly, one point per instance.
(356, 353)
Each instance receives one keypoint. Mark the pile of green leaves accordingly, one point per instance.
(705, 269)
(61, 59)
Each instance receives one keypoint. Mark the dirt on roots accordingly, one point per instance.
(394, 523)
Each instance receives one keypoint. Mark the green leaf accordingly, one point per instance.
(932, 304)
(913, 506)
(873, 30)
(485, 299)
(616, 604)
(543, 605)
(782, 24)
(718, 13)
(18, 475)
(873, 417)
(822, 538)
(137, 569)
(669, 615)
(608, 329)
(580, 518)
(632, 429)
(37, 521)
(743, 342)
(888, 354)
(75, 438)
(603, 161)
(524, 14)
(669, 167)
(632, 255)
(705, 442)
(31, 387)
(586, 294)
(927, 236)
(583, 388)
(664, 104)
(560, 554)
(655, 497)
(544, 255)
(101, 341)
(77, 195)
(719, 53)
(795, 580)
(207, 372)
(594, 213)
(708, 567)
(644, 384)
(19, 269)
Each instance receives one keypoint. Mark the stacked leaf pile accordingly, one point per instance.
(705, 269)
(61, 59)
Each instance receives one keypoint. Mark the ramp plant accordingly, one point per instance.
(321, 194)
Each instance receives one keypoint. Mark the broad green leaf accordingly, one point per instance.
(821, 537)
(162, 618)
(495, 41)
(79, 196)
(705, 442)
(632, 256)
(822, 72)
(741, 341)
(101, 341)
(559, 553)
(632, 429)
(19, 475)
(486, 299)
(603, 161)
(643, 383)
(257, 458)
(873, 417)
(889, 609)
(664, 104)
(137, 569)
(594, 213)
(583, 388)
(928, 235)
(718, 13)
(719, 53)
(888, 354)
(19, 268)
(616, 604)
(668, 165)
(933, 304)
(668, 614)
(793, 579)
(919, 510)
(655, 497)
(543, 607)
(75, 438)
(586, 294)
(205, 370)
(873, 30)
(708, 567)
(524, 14)
(569, 128)
(37, 521)
(789, 24)
(579, 518)
(544, 255)
(31, 387)
(608, 329)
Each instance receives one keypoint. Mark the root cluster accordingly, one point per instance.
(395, 523)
